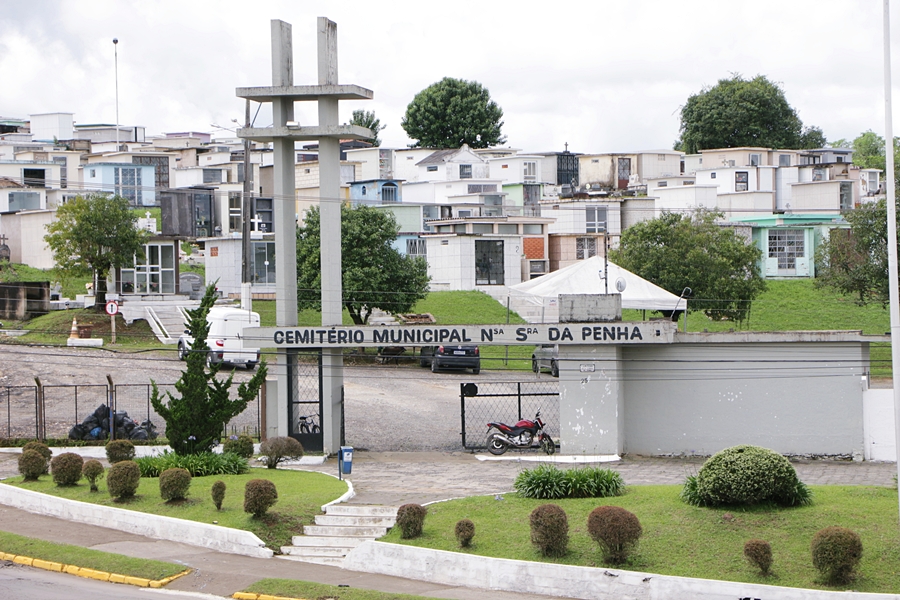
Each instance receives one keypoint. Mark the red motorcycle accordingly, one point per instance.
(524, 434)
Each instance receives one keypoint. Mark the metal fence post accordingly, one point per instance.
(519, 397)
(111, 390)
(462, 416)
(39, 426)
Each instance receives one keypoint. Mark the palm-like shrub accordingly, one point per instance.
(548, 482)
(119, 450)
(123, 479)
(464, 531)
(746, 475)
(836, 551)
(759, 553)
(259, 496)
(411, 520)
(174, 484)
(42, 449)
(218, 494)
(66, 468)
(550, 529)
(616, 530)
(198, 465)
(93, 472)
(279, 449)
(32, 464)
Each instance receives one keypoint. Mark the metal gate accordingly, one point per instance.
(305, 393)
(507, 402)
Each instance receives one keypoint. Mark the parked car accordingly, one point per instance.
(450, 357)
(546, 356)
(225, 339)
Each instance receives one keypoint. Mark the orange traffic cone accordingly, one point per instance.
(73, 333)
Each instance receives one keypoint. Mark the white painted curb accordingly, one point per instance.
(205, 535)
(456, 568)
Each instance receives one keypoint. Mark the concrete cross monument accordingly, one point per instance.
(283, 133)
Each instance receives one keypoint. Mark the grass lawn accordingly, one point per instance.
(300, 497)
(87, 558)
(55, 327)
(689, 541)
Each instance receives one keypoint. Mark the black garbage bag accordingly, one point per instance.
(150, 428)
(78, 432)
(139, 433)
(104, 424)
(102, 412)
(91, 422)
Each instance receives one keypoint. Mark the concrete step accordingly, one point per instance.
(339, 551)
(361, 510)
(333, 561)
(354, 530)
(331, 540)
(354, 520)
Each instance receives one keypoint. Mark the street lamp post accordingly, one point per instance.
(116, 52)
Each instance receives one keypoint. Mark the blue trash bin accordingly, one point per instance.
(346, 458)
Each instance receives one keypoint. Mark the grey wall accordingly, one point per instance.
(795, 398)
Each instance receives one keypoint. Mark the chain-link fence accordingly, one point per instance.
(507, 402)
(50, 411)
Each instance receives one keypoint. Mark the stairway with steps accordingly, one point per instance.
(339, 530)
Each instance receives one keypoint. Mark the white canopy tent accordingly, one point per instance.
(537, 300)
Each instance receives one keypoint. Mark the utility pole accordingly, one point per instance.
(247, 214)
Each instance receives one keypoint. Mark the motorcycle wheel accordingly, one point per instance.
(496, 446)
(547, 444)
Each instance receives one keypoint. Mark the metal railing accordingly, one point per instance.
(508, 402)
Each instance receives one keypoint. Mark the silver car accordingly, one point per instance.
(546, 356)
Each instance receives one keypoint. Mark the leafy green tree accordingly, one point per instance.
(367, 119)
(855, 261)
(375, 274)
(812, 137)
(94, 234)
(196, 418)
(737, 112)
(676, 251)
(453, 112)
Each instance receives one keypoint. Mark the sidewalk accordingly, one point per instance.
(389, 478)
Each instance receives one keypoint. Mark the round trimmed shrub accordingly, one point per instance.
(66, 468)
(836, 551)
(616, 530)
(123, 479)
(32, 465)
(550, 529)
(279, 449)
(465, 531)
(174, 484)
(218, 494)
(242, 445)
(119, 450)
(746, 475)
(259, 496)
(42, 449)
(411, 520)
(759, 553)
(93, 472)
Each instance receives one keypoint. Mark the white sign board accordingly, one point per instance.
(619, 333)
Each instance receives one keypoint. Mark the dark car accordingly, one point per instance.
(450, 357)
(546, 356)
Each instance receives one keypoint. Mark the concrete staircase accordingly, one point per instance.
(339, 530)
(379, 317)
(167, 317)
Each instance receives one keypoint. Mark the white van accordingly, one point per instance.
(226, 337)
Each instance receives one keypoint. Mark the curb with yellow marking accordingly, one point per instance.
(252, 596)
(90, 573)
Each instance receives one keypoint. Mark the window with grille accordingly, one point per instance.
(585, 247)
(465, 171)
(784, 160)
(415, 247)
(787, 245)
(160, 165)
(234, 211)
(128, 183)
(212, 176)
(595, 219)
(389, 192)
(489, 262)
(481, 188)
(530, 171)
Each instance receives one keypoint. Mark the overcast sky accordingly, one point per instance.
(602, 75)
